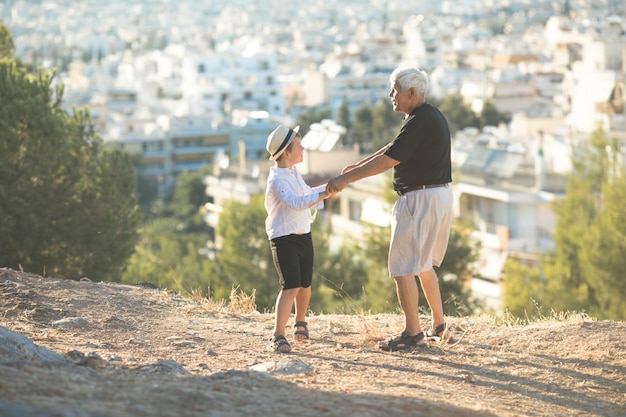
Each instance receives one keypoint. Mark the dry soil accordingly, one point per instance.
(73, 349)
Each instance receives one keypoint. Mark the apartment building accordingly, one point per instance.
(216, 84)
(164, 148)
(505, 191)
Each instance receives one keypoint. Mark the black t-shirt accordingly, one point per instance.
(423, 149)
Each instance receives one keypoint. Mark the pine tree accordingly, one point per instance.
(67, 205)
(602, 259)
(567, 287)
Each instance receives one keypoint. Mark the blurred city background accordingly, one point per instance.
(190, 90)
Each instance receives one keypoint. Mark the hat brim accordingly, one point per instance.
(291, 138)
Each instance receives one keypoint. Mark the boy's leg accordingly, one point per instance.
(302, 305)
(284, 303)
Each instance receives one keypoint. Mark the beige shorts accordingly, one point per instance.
(420, 229)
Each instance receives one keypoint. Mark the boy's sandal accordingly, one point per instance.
(279, 344)
(402, 341)
(301, 331)
(439, 333)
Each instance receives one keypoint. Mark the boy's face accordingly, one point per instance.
(294, 153)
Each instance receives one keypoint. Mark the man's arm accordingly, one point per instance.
(375, 164)
(367, 159)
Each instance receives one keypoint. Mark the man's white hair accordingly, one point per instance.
(410, 78)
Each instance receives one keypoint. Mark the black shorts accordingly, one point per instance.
(293, 259)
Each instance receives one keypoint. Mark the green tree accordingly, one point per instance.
(490, 116)
(7, 47)
(524, 287)
(67, 205)
(458, 114)
(361, 132)
(343, 115)
(245, 260)
(305, 120)
(385, 124)
(147, 192)
(189, 197)
(339, 277)
(575, 214)
(603, 260)
(170, 259)
(344, 118)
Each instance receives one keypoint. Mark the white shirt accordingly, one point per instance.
(288, 202)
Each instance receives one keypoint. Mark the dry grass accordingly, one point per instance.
(369, 330)
(239, 302)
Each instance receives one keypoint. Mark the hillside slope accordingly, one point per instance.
(74, 349)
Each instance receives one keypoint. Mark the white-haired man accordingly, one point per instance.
(422, 215)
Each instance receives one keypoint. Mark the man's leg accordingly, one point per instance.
(430, 285)
(408, 296)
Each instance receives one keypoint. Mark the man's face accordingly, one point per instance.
(400, 100)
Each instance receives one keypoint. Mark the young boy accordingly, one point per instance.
(288, 201)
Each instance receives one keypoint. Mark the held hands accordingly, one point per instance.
(336, 184)
(326, 194)
(339, 182)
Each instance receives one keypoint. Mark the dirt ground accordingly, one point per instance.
(105, 349)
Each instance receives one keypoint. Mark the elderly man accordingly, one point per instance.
(422, 215)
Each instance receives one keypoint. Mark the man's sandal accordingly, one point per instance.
(301, 331)
(439, 333)
(402, 341)
(279, 344)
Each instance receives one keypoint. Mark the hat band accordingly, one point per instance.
(282, 145)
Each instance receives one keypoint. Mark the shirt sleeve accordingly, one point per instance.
(317, 190)
(285, 194)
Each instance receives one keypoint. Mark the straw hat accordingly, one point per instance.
(279, 139)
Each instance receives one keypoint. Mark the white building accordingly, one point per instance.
(164, 147)
(595, 83)
(215, 84)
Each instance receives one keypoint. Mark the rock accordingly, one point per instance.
(284, 367)
(165, 366)
(71, 322)
(14, 346)
(22, 410)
